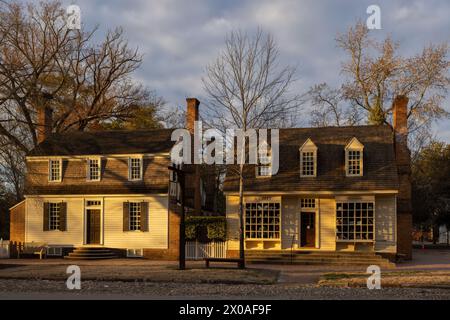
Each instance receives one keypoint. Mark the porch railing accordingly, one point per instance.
(4, 249)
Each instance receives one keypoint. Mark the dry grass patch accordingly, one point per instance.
(389, 279)
(144, 273)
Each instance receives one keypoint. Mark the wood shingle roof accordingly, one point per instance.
(380, 171)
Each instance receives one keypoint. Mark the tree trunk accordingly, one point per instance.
(435, 233)
(241, 218)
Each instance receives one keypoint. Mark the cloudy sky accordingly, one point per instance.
(179, 37)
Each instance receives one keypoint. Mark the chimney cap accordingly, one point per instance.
(193, 100)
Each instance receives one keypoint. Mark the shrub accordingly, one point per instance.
(205, 229)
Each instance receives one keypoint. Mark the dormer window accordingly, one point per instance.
(93, 169)
(308, 159)
(135, 168)
(264, 168)
(354, 158)
(54, 170)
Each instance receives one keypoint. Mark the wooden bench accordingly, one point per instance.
(39, 249)
(209, 260)
(400, 257)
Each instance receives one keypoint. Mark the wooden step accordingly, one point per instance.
(91, 253)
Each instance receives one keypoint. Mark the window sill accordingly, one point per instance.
(351, 241)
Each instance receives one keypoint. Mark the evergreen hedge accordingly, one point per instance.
(206, 229)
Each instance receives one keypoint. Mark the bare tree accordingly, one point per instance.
(40, 57)
(12, 170)
(375, 74)
(89, 81)
(329, 109)
(246, 89)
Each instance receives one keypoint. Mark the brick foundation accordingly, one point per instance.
(404, 237)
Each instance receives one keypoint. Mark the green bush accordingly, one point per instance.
(205, 229)
(190, 231)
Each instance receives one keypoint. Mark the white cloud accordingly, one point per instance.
(178, 38)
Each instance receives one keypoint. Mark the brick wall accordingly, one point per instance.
(114, 177)
(403, 159)
(17, 223)
(172, 252)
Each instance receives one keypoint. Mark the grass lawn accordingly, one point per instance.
(423, 279)
(144, 273)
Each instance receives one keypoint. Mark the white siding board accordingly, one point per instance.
(289, 222)
(232, 214)
(157, 235)
(35, 216)
(385, 224)
(112, 218)
(327, 212)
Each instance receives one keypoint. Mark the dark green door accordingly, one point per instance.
(307, 229)
(93, 226)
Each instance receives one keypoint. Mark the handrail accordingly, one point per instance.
(292, 248)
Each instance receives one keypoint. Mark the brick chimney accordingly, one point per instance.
(192, 113)
(193, 180)
(44, 124)
(403, 160)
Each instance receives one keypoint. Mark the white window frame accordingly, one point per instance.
(308, 147)
(50, 176)
(135, 253)
(88, 169)
(54, 251)
(174, 184)
(355, 217)
(264, 170)
(135, 226)
(141, 160)
(354, 146)
(56, 226)
(256, 225)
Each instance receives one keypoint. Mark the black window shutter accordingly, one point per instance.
(126, 216)
(46, 223)
(63, 216)
(144, 216)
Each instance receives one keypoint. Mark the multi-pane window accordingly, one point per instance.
(307, 163)
(94, 169)
(135, 216)
(135, 168)
(262, 220)
(54, 210)
(93, 203)
(265, 167)
(264, 170)
(308, 203)
(54, 170)
(354, 221)
(174, 183)
(354, 159)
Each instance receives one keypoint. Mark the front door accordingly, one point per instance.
(93, 226)
(307, 229)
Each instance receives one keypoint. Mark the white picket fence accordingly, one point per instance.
(4, 249)
(197, 250)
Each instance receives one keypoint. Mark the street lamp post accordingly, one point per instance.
(182, 250)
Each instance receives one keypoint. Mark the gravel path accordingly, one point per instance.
(44, 289)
